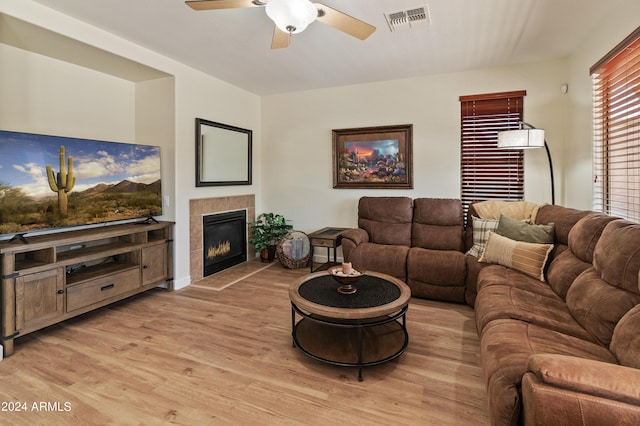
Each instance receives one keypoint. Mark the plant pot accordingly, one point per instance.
(268, 254)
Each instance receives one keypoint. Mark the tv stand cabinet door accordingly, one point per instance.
(39, 299)
(154, 264)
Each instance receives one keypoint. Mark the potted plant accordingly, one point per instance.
(266, 231)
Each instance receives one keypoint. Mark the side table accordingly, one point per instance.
(329, 237)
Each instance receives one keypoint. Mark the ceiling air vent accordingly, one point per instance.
(408, 18)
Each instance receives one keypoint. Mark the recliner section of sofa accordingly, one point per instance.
(579, 389)
(436, 265)
(383, 237)
(418, 241)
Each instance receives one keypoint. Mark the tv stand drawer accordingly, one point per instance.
(94, 291)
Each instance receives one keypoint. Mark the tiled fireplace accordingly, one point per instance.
(198, 209)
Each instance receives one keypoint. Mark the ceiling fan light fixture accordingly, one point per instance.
(291, 16)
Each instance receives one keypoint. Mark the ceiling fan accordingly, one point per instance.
(293, 16)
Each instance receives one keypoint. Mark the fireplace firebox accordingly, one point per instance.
(224, 240)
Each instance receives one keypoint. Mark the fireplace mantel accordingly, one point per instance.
(204, 206)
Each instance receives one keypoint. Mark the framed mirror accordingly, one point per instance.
(223, 154)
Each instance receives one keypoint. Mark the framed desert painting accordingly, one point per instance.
(373, 157)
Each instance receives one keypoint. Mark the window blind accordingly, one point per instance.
(486, 171)
(616, 130)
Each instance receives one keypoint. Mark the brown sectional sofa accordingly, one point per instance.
(561, 351)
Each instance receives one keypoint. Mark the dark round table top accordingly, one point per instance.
(377, 294)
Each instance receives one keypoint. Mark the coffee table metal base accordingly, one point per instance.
(350, 343)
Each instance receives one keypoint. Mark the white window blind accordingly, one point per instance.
(616, 131)
(486, 171)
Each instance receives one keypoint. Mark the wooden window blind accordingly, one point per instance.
(616, 130)
(488, 172)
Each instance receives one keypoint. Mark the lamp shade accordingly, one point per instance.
(291, 16)
(521, 139)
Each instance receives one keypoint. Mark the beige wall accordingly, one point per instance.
(199, 95)
(297, 144)
(36, 98)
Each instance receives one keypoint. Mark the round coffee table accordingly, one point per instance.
(361, 329)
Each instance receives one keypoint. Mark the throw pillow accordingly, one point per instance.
(529, 258)
(481, 229)
(523, 231)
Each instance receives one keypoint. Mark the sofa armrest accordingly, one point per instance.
(595, 378)
(560, 389)
(352, 238)
(356, 235)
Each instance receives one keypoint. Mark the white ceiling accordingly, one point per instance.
(234, 45)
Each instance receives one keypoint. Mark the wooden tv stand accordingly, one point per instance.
(60, 275)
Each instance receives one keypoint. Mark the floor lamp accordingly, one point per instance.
(527, 138)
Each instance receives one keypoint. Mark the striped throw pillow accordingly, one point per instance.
(529, 258)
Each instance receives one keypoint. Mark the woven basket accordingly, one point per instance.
(294, 250)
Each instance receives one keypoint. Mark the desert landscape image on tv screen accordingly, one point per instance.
(51, 181)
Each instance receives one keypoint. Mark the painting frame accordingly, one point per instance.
(223, 154)
(378, 157)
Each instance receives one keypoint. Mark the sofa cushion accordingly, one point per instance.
(617, 255)
(387, 220)
(625, 343)
(529, 258)
(436, 274)
(510, 302)
(385, 258)
(597, 305)
(603, 294)
(563, 218)
(570, 261)
(437, 224)
(585, 234)
(563, 270)
(523, 231)
(481, 229)
(519, 210)
(494, 274)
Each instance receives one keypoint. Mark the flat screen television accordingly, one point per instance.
(52, 182)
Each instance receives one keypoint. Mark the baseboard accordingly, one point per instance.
(181, 283)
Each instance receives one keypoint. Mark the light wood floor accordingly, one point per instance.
(203, 356)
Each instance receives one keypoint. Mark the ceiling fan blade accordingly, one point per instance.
(280, 39)
(223, 4)
(343, 22)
